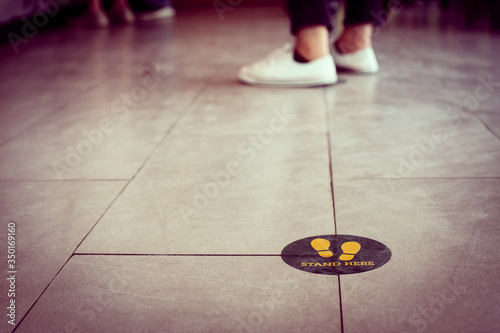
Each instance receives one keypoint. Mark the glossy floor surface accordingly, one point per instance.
(152, 192)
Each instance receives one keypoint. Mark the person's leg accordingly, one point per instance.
(353, 50)
(120, 10)
(140, 6)
(305, 64)
(312, 42)
(360, 18)
(96, 6)
(96, 14)
(355, 38)
(310, 23)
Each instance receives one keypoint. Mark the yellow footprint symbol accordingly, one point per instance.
(349, 249)
(322, 246)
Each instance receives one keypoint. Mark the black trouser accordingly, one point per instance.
(305, 13)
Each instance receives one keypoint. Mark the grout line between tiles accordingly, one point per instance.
(330, 163)
(487, 127)
(340, 307)
(39, 296)
(146, 160)
(330, 159)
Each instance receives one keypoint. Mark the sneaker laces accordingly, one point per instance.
(277, 56)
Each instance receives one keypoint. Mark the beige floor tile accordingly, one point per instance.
(443, 235)
(410, 141)
(51, 220)
(228, 107)
(186, 294)
(272, 196)
(100, 135)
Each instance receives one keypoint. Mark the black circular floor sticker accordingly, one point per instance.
(336, 254)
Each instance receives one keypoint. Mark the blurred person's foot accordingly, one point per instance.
(282, 68)
(162, 13)
(122, 13)
(353, 50)
(91, 19)
(99, 19)
(360, 62)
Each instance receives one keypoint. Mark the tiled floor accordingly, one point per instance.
(154, 193)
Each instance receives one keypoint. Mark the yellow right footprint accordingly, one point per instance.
(349, 249)
(322, 246)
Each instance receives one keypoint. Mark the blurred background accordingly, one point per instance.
(466, 13)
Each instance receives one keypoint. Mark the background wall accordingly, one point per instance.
(12, 9)
(243, 2)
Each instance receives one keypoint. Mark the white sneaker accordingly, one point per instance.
(279, 69)
(162, 13)
(361, 62)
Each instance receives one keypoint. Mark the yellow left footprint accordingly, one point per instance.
(322, 246)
